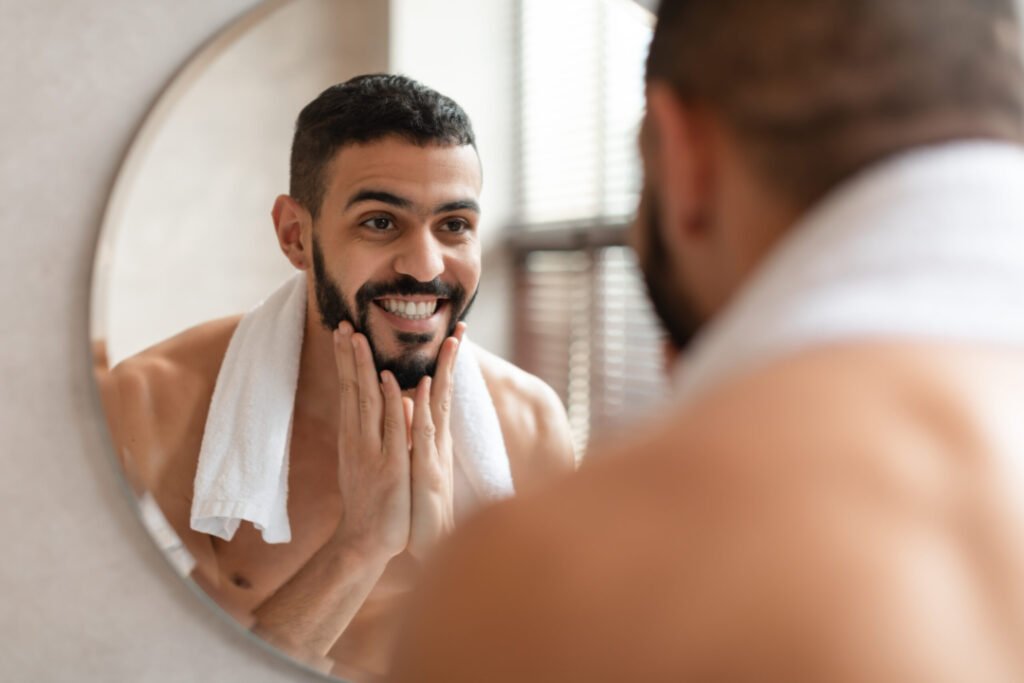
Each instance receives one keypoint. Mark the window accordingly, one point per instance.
(583, 320)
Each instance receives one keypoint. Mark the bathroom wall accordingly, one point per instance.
(188, 235)
(84, 595)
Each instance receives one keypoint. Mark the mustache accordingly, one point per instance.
(406, 285)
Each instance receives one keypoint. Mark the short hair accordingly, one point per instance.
(365, 109)
(818, 89)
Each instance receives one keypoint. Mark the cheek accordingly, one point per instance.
(359, 267)
(466, 271)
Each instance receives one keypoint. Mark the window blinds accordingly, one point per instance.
(584, 324)
(581, 87)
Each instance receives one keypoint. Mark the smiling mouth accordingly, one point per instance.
(412, 309)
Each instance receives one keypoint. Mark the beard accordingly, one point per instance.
(679, 316)
(412, 364)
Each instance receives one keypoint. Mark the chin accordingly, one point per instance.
(395, 351)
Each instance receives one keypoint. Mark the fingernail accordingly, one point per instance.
(385, 377)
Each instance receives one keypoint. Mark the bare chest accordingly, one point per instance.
(252, 570)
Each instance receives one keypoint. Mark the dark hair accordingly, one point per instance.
(365, 109)
(817, 89)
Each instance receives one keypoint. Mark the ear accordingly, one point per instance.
(680, 161)
(291, 221)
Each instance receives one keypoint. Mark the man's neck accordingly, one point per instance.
(316, 396)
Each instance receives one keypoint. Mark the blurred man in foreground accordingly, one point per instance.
(836, 188)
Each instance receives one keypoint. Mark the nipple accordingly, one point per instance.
(240, 581)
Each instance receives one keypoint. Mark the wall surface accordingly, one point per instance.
(188, 235)
(84, 594)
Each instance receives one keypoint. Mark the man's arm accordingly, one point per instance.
(139, 417)
(149, 401)
(308, 613)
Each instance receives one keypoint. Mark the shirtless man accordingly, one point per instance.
(837, 188)
(385, 181)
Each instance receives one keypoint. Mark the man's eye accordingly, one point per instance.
(379, 223)
(456, 225)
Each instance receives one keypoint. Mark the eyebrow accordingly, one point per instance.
(379, 196)
(404, 203)
(460, 205)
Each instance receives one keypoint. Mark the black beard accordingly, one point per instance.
(677, 312)
(412, 365)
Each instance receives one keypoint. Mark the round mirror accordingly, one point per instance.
(211, 327)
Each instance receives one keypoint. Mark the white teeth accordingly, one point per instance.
(409, 309)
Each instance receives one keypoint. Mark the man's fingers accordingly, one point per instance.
(396, 439)
(409, 406)
(348, 383)
(441, 394)
(371, 401)
(424, 433)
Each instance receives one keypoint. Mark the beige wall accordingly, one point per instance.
(188, 236)
(84, 594)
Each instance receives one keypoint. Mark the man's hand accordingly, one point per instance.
(433, 479)
(373, 452)
(308, 614)
(394, 466)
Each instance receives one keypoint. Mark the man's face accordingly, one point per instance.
(395, 248)
(671, 302)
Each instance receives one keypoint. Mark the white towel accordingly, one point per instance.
(928, 245)
(243, 462)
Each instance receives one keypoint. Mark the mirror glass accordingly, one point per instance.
(555, 94)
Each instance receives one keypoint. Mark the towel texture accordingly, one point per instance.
(928, 245)
(243, 461)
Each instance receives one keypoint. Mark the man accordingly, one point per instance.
(382, 219)
(837, 188)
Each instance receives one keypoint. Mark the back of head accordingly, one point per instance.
(817, 89)
(365, 109)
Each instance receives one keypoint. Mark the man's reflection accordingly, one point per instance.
(382, 221)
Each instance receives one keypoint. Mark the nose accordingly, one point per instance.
(421, 256)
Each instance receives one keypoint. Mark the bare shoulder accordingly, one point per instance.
(533, 421)
(799, 515)
(154, 399)
(513, 388)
